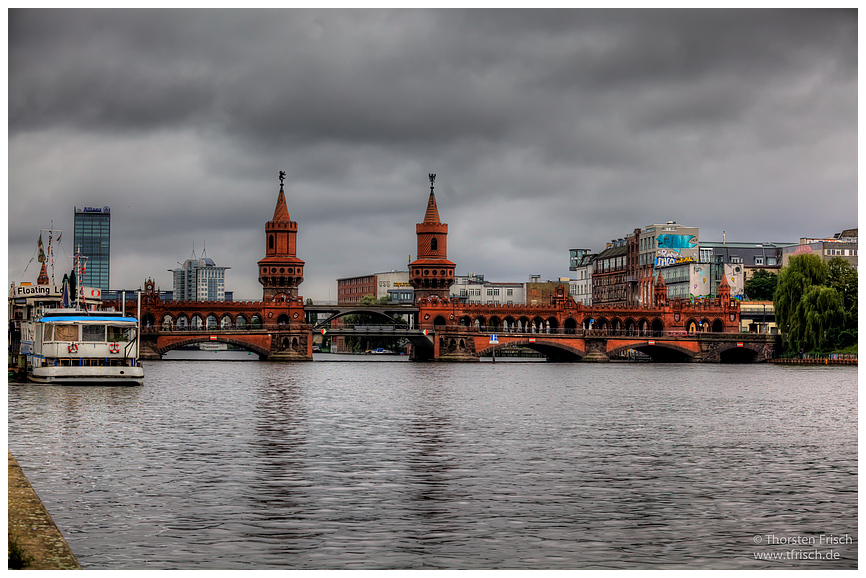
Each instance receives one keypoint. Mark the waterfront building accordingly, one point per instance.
(750, 256)
(842, 245)
(92, 239)
(581, 262)
(474, 289)
(392, 280)
(609, 282)
(694, 281)
(350, 290)
(660, 245)
(199, 279)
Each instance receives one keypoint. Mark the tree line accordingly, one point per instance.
(815, 303)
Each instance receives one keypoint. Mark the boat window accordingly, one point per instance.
(48, 332)
(93, 333)
(66, 333)
(117, 333)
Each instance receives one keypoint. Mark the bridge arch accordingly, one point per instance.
(212, 322)
(360, 311)
(182, 321)
(657, 327)
(718, 326)
(570, 325)
(236, 340)
(734, 354)
(553, 350)
(226, 321)
(660, 351)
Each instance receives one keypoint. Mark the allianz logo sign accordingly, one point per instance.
(93, 210)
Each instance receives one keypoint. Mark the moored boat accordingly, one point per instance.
(72, 346)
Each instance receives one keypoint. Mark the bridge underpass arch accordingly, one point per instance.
(554, 351)
(661, 352)
(360, 311)
(205, 338)
(738, 355)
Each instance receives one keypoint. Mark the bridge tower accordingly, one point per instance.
(280, 272)
(431, 273)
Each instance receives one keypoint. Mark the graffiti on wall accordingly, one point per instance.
(667, 257)
(678, 242)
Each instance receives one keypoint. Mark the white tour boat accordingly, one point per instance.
(73, 346)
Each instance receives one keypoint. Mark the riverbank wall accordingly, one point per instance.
(815, 361)
(31, 530)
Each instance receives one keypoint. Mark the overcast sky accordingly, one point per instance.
(547, 130)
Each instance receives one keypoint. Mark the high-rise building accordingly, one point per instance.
(199, 280)
(92, 239)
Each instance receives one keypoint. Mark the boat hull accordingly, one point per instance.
(70, 375)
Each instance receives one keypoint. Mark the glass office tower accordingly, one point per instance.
(92, 238)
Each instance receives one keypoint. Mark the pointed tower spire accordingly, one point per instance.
(281, 212)
(280, 272)
(432, 214)
(724, 290)
(661, 291)
(431, 273)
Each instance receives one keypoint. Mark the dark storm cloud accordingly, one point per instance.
(549, 129)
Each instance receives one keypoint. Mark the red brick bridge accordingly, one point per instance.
(279, 327)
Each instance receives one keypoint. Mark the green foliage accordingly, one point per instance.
(761, 286)
(843, 278)
(816, 304)
(18, 558)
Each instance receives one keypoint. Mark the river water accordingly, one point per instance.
(389, 464)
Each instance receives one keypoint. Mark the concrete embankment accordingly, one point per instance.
(31, 529)
(815, 361)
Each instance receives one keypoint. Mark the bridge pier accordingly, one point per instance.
(596, 351)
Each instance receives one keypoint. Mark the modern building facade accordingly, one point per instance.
(842, 245)
(661, 245)
(691, 281)
(199, 279)
(388, 281)
(92, 240)
(473, 289)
